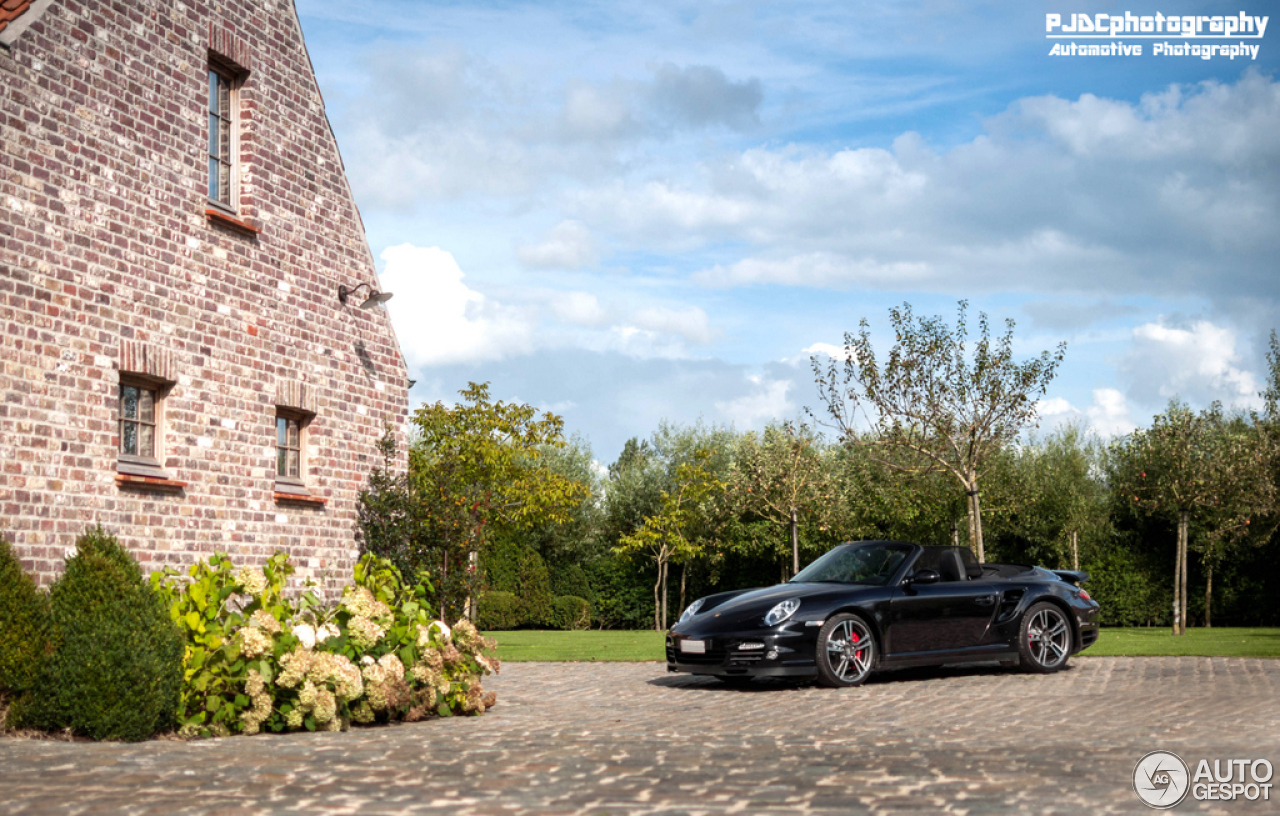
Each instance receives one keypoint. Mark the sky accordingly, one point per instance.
(628, 213)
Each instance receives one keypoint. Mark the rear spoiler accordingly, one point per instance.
(1076, 577)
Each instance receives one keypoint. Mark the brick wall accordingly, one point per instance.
(108, 260)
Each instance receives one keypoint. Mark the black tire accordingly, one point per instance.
(1044, 639)
(841, 664)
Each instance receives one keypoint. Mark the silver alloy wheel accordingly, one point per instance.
(1048, 637)
(850, 649)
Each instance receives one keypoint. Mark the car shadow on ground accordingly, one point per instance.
(705, 683)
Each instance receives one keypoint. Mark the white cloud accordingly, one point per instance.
(689, 323)
(581, 308)
(592, 112)
(1093, 196)
(1108, 415)
(830, 350)
(815, 269)
(1195, 361)
(440, 320)
(701, 95)
(1054, 407)
(766, 401)
(569, 246)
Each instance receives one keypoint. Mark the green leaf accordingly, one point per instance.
(309, 723)
(443, 710)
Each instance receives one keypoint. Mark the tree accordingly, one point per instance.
(669, 534)
(948, 408)
(780, 476)
(475, 467)
(1053, 496)
(389, 515)
(1202, 465)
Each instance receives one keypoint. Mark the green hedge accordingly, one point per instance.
(501, 611)
(569, 612)
(117, 670)
(25, 628)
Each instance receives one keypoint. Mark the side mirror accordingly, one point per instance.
(926, 576)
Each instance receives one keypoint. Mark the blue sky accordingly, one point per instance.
(629, 213)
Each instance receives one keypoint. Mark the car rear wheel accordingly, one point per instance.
(846, 651)
(1044, 639)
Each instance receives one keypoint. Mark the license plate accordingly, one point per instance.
(693, 646)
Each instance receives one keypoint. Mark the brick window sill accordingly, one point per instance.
(148, 482)
(231, 222)
(300, 498)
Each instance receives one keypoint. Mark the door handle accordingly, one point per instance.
(986, 600)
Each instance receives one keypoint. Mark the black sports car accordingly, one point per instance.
(873, 605)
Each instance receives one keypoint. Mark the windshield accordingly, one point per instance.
(872, 562)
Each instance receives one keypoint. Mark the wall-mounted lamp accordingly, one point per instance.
(373, 300)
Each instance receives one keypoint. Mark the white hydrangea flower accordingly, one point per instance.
(252, 580)
(253, 642)
(325, 632)
(306, 635)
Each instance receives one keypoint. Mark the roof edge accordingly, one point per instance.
(15, 29)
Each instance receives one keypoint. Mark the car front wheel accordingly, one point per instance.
(846, 651)
(1044, 640)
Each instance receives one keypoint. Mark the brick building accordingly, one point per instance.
(182, 357)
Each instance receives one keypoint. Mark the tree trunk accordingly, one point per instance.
(684, 568)
(1075, 551)
(664, 597)
(955, 533)
(1177, 581)
(1185, 521)
(973, 531)
(795, 542)
(977, 525)
(1208, 595)
(657, 602)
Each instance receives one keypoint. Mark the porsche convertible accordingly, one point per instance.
(872, 605)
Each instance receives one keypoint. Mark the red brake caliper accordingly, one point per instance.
(853, 638)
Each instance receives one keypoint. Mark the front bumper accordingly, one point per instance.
(786, 651)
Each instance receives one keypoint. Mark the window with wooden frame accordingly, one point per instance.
(141, 426)
(290, 462)
(222, 137)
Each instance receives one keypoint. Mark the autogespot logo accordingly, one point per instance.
(1161, 779)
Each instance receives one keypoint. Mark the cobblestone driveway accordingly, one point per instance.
(629, 738)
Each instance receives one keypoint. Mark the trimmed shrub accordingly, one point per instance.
(624, 593)
(117, 670)
(535, 588)
(569, 612)
(500, 611)
(24, 632)
(501, 564)
(572, 580)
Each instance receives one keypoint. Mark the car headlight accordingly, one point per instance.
(781, 612)
(691, 610)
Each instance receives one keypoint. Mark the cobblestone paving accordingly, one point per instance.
(628, 738)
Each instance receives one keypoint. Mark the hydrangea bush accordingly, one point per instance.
(256, 660)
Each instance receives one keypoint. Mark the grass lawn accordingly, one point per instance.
(1216, 642)
(642, 645)
(525, 644)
